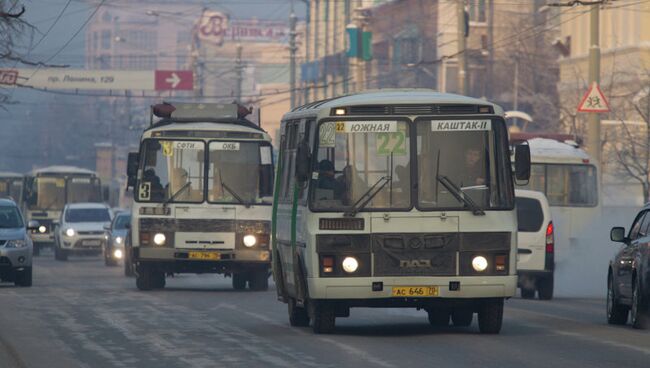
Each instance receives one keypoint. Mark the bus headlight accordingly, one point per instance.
(118, 240)
(42, 229)
(350, 264)
(69, 232)
(479, 263)
(250, 240)
(159, 239)
(117, 253)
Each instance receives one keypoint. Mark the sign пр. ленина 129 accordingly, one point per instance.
(145, 80)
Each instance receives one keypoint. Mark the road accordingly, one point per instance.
(82, 314)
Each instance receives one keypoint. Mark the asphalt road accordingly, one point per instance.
(82, 314)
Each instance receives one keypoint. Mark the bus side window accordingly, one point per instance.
(289, 145)
(305, 135)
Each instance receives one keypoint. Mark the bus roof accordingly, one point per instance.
(212, 126)
(544, 150)
(61, 169)
(9, 174)
(406, 96)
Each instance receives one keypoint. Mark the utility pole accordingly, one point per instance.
(292, 58)
(462, 55)
(239, 70)
(593, 127)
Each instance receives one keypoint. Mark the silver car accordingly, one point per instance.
(116, 236)
(81, 230)
(15, 245)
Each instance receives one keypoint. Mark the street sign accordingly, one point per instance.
(176, 80)
(8, 76)
(594, 100)
(63, 78)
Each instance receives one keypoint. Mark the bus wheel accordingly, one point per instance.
(60, 254)
(438, 317)
(527, 293)
(490, 316)
(298, 316)
(462, 317)
(146, 278)
(259, 280)
(238, 281)
(323, 318)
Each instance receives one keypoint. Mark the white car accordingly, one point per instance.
(80, 230)
(536, 245)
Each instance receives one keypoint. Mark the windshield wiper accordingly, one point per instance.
(358, 205)
(458, 193)
(185, 186)
(234, 194)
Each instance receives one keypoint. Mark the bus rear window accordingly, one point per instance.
(530, 216)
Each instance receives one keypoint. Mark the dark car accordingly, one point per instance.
(628, 280)
(116, 237)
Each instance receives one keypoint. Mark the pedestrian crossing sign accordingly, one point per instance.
(594, 100)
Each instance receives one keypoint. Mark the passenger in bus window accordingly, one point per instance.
(474, 170)
(327, 181)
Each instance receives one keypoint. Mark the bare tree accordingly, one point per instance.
(12, 28)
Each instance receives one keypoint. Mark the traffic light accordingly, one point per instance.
(360, 43)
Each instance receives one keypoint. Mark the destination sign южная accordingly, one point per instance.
(366, 126)
(460, 125)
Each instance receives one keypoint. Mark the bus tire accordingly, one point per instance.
(60, 254)
(323, 318)
(298, 316)
(490, 316)
(238, 281)
(545, 288)
(527, 293)
(462, 317)
(146, 278)
(258, 280)
(438, 317)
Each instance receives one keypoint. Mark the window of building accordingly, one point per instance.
(477, 11)
(106, 39)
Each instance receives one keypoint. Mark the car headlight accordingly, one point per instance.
(350, 264)
(69, 232)
(17, 243)
(479, 263)
(118, 240)
(42, 229)
(117, 253)
(250, 240)
(159, 239)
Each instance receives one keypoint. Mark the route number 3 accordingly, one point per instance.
(394, 143)
(144, 192)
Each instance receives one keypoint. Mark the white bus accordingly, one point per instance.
(203, 185)
(11, 186)
(568, 177)
(396, 198)
(48, 190)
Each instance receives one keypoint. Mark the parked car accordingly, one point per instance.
(15, 245)
(80, 230)
(116, 235)
(628, 278)
(536, 245)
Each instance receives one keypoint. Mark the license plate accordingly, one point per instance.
(205, 255)
(92, 243)
(415, 291)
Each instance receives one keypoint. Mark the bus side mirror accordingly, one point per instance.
(303, 162)
(617, 234)
(132, 169)
(522, 162)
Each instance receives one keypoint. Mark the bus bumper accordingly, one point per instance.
(178, 260)
(461, 287)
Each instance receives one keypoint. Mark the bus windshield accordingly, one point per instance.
(83, 189)
(238, 172)
(47, 193)
(361, 161)
(367, 164)
(467, 156)
(568, 185)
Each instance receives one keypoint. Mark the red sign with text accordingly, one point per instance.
(174, 80)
